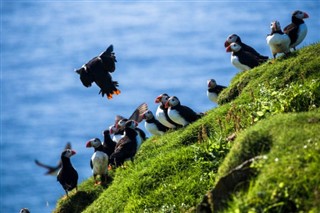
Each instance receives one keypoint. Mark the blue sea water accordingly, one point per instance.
(161, 46)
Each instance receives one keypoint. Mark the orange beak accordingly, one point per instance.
(88, 144)
(306, 15)
(226, 44)
(158, 99)
(228, 49)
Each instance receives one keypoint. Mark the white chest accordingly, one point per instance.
(235, 61)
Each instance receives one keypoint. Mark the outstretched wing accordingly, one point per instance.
(137, 114)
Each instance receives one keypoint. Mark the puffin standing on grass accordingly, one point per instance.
(180, 114)
(162, 112)
(235, 38)
(241, 59)
(67, 175)
(297, 30)
(98, 70)
(278, 41)
(153, 125)
(214, 90)
(52, 170)
(126, 148)
(99, 161)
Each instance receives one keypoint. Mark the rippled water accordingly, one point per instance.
(170, 46)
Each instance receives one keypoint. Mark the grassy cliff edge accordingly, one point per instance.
(271, 111)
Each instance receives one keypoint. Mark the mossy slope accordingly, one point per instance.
(274, 111)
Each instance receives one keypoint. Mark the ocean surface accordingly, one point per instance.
(169, 47)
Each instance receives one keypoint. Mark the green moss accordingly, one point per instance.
(274, 111)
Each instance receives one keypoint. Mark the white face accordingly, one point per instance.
(299, 14)
(211, 83)
(68, 153)
(173, 101)
(95, 142)
(235, 47)
(148, 115)
(164, 99)
(232, 38)
(275, 26)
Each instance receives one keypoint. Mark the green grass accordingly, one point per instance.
(274, 111)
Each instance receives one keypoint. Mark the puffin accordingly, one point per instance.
(52, 170)
(24, 210)
(278, 41)
(235, 38)
(141, 135)
(126, 148)
(242, 59)
(162, 112)
(297, 30)
(99, 161)
(117, 128)
(67, 175)
(180, 114)
(214, 90)
(153, 125)
(108, 144)
(98, 70)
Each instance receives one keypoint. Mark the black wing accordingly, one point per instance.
(292, 31)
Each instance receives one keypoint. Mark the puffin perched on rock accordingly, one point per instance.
(67, 175)
(241, 59)
(126, 148)
(162, 112)
(214, 90)
(278, 41)
(180, 114)
(297, 30)
(99, 161)
(235, 38)
(153, 125)
(52, 170)
(98, 70)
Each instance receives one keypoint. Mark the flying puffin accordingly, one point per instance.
(235, 38)
(297, 30)
(52, 170)
(127, 146)
(214, 90)
(98, 70)
(24, 210)
(67, 175)
(278, 41)
(162, 112)
(241, 59)
(153, 125)
(99, 161)
(180, 114)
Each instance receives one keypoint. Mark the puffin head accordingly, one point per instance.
(211, 83)
(147, 115)
(275, 26)
(233, 47)
(24, 210)
(131, 124)
(300, 15)
(94, 142)
(113, 129)
(68, 153)
(172, 101)
(231, 38)
(162, 99)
